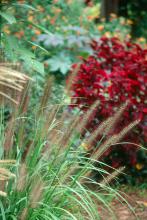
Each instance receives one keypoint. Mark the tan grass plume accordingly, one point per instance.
(11, 83)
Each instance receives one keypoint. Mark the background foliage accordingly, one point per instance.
(47, 37)
(115, 74)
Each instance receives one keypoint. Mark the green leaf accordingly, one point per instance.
(42, 48)
(17, 52)
(39, 27)
(24, 53)
(25, 6)
(31, 63)
(11, 47)
(10, 18)
(2, 211)
(60, 63)
(37, 66)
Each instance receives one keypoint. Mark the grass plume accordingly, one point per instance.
(50, 164)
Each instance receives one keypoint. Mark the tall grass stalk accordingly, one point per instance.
(48, 172)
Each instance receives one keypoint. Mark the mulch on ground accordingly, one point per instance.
(122, 211)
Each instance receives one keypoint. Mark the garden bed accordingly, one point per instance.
(137, 200)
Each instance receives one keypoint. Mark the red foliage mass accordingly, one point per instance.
(117, 72)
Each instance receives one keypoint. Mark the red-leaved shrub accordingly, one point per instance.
(116, 73)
